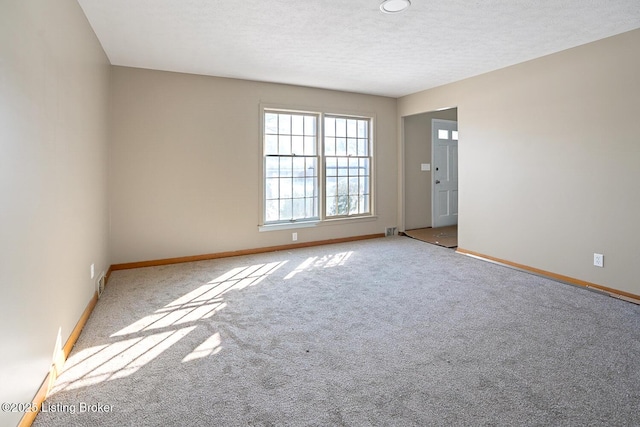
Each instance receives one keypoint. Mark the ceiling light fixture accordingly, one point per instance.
(394, 6)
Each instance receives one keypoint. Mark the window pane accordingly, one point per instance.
(310, 187)
(284, 143)
(364, 204)
(309, 145)
(343, 166)
(353, 205)
(330, 146)
(312, 168)
(343, 185)
(297, 145)
(330, 126)
(363, 129)
(272, 210)
(272, 166)
(363, 147)
(285, 166)
(285, 188)
(297, 125)
(352, 147)
(284, 124)
(331, 206)
(270, 144)
(298, 208)
(309, 125)
(272, 188)
(298, 166)
(352, 128)
(341, 147)
(312, 207)
(332, 186)
(299, 186)
(341, 127)
(332, 166)
(363, 187)
(270, 123)
(364, 166)
(286, 209)
(343, 205)
(353, 166)
(353, 185)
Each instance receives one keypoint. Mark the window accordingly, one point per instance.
(291, 167)
(347, 166)
(316, 166)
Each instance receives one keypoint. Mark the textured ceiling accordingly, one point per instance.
(349, 44)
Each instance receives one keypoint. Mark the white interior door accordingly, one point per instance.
(444, 142)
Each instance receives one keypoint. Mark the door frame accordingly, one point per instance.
(404, 163)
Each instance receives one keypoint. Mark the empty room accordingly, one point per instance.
(207, 211)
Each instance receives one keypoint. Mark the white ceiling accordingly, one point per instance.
(349, 45)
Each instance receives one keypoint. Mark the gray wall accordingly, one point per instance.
(185, 173)
(54, 95)
(417, 183)
(549, 160)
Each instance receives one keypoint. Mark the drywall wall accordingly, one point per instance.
(54, 93)
(549, 160)
(417, 183)
(185, 171)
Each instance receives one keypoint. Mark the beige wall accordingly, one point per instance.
(417, 138)
(550, 161)
(185, 174)
(54, 81)
(549, 171)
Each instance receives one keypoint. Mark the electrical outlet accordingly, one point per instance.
(294, 237)
(598, 260)
(390, 231)
(93, 271)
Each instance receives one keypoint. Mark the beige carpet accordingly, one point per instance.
(443, 236)
(380, 332)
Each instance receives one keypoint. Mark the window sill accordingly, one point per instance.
(316, 223)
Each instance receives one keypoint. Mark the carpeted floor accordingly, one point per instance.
(386, 331)
(442, 236)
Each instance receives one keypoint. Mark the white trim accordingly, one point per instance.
(288, 225)
(316, 110)
(316, 223)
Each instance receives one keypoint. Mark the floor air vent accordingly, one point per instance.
(101, 282)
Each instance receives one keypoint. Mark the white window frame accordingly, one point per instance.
(349, 152)
(321, 183)
(291, 150)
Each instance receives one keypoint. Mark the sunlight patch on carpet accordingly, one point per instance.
(117, 360)
(210, 346)
(326, 261)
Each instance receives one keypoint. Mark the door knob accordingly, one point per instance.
(437, 181)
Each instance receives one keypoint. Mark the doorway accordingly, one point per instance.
(418, 167)
(419, 175)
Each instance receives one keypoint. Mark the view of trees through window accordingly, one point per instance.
(347, 165)
(292, 158)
